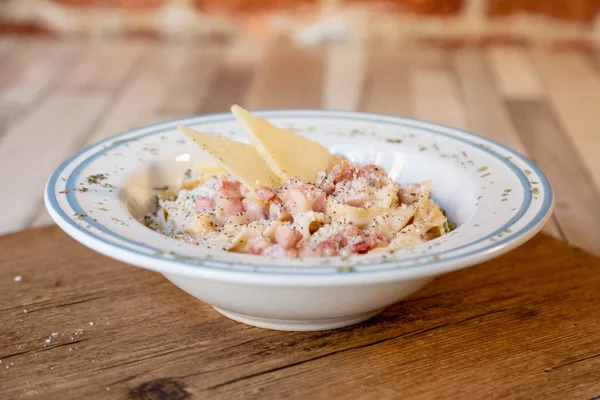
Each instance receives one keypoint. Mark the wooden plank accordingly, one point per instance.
(23, 52)
(7, 115)
(230, 84)
(288, 77)
(344, 75)
(573, 88)
(514, 73)
(144, 92)
(34, 77)
(25, 150)
(486, 112)
(104, 65)
(8, 47)
(523, 324)
(387, 87)
(192, 85)
(436, 98)
(575, 192)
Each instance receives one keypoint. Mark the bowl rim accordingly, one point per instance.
(176, 267)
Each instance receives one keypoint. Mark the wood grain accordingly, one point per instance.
(287, 78)
(386, 88)
(37, 74)
(576, 197)
(344, 76)
(515, 76)
(192, 85)
(446, 106)
(573, 86)
(522, 326)
(144, 92)
(104, 65)
(47, 136)
(486, 111)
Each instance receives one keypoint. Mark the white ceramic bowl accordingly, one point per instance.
(497, 198)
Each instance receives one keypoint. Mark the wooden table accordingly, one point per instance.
(64, 94)
(78, 325)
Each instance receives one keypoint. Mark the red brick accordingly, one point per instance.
(451, 43)
(572, 10)
(23, 28)
(426, 7)
(123, 4)
(249, 6)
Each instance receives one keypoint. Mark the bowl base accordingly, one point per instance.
(298, 325)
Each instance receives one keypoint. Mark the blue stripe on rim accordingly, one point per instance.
(400, 122)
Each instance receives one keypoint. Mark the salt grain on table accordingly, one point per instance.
(17, 278)
(25, 310)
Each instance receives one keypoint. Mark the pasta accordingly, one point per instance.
(254, 202)
(350, 209)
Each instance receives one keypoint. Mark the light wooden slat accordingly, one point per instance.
(144, 92)
(191, 85)
(229, 86)
(35, 144)
(387, 87)
(8, 46)
(487, 113)
(8, 114)
(23, 52)
(344, 75)
(436, 98)
(104, 65)
(513, 70)
(37, 74)
(576, 195)
(573, 86)
(288, 77)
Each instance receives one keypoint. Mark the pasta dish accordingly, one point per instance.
(326, 207)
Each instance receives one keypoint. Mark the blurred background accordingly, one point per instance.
(523, 72)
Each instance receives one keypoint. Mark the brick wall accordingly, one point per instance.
(562, 19)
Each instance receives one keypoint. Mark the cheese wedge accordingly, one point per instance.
(288, 154)
(239, 159)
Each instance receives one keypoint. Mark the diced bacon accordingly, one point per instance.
(287, 237)
(276, 210)
(328, 187)
(375, 175)
(266, 193)
(328, 248)
(228, 206)
(228, 199)
(358, 199)
(298, 197)
(254, 209)
(408, 194)
(232, 189)
(376, 238)
(369, 241)
(204, 204)
(358, 241)
(342, 171)
(257, 244)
